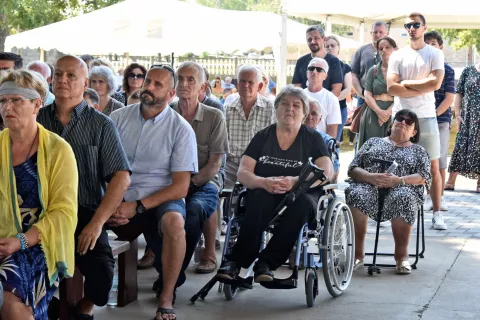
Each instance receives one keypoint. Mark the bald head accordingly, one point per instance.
(75, 62)
(70, 80)
(42, 68)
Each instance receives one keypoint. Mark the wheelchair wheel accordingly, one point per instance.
(338, 239)
(230, 291)
(311, 287)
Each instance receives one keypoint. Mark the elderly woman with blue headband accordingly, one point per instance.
(102, 80)
(38, 201)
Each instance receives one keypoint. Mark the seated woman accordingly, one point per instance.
(406, 184)
(101, 80)
(38, 201)
(269, 168)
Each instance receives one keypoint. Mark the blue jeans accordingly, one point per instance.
(344, 113)
(199, 207)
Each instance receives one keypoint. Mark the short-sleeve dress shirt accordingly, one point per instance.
(155, 148)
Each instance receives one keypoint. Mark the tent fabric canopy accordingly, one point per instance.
(461, 14)
(149, 27)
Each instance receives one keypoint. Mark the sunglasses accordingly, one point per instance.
(135, 76)
(415, 25)
(318, 69)
(169, 69)
(400, 118)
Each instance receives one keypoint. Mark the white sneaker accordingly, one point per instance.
(428, 205)
(443, 205)
(386, 224)
(437, 221)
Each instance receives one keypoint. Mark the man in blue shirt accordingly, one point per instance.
(162, 150)
(443, 100)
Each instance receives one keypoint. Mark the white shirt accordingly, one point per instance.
(330, 108)
(412, 64)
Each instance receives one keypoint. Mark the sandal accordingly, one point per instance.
(147, 261)
(403, 267)
(206, 265)
(165, 311)
(358, 264)
(449, 186)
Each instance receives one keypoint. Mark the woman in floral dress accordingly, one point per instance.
(38, 201)
(466, 154)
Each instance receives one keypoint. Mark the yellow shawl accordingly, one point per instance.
(57, 187)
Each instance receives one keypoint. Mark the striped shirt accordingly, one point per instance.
(448, 86)
(96, 145)
(241, 130)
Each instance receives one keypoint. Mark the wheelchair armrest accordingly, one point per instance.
(226, 193)
(330, 186)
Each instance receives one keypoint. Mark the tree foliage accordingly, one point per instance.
(462, 38)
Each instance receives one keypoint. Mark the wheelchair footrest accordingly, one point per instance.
(239, 282)
(289, 283)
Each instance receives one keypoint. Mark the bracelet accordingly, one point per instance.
(23, 241)
(403, 181)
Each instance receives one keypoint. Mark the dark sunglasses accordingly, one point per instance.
(315, 68)
(416, 25)
(400, 118)
(136, 76)
(169, 69)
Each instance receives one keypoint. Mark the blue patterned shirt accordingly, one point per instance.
(448, 86)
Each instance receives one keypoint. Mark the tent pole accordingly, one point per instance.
(42, 55)
(328, 25)
(173, 59)
(281, 60)
(361, 35)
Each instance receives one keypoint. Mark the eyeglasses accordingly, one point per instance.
(14, 101)
(415, 25)
(169, 69)
(318, 69)
(400, 118)
(136, 76)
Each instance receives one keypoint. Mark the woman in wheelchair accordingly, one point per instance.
(405, 183)
(269, 168)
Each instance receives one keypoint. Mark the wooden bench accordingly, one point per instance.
(71, 290)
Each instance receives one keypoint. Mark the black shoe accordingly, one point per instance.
(228, 270)
(262, 272)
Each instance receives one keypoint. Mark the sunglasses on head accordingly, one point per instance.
(136, 76)
(400, 118)
(415, 25)
(315, 68)
(169, 69)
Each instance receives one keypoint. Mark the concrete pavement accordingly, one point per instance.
(445, 285)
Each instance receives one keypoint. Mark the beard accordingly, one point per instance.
(314, 48)
(148, 99)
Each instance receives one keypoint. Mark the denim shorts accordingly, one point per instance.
(430, 137)
(204, 201)
(169, 206)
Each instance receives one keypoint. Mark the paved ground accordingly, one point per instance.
(445, 285)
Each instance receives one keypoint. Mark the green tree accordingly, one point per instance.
(22, 15)
(462, 38)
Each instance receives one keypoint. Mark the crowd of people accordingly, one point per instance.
(80, 157)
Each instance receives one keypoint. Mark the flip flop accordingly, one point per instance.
(403, 267)
(165, 311)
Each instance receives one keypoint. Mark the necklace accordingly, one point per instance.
(396, 144)
(31, 147)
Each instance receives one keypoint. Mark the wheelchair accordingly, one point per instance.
(331, 232)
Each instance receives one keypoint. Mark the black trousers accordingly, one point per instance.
(259, 213)
(97, 264)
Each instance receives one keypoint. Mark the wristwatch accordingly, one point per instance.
(140, 207)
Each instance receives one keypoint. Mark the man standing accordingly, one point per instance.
(162, 151)
(43, 68)
(100, 160)
(365, 57)
(10, 60)
(247, 114)
(212, 145)
(443, 100)
(315, 41)
(317, 71)
(414, 73)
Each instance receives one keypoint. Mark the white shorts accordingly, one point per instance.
(430, 137)
(444, 130)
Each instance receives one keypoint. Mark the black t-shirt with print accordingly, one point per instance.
(272, 161)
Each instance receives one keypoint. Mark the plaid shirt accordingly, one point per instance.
(241, 130)
(448, 86)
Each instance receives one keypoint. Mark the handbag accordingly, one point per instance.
(357, 115)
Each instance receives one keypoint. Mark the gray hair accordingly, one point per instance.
(192, 64)
(292, 91)
(379, 24)
(44, 82)
(318, 28)
(315, 102)
(105, 73)
(250, 68)
(46, 71)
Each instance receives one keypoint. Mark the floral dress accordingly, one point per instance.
(402, 201)
(466, 153)
(25, 273)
